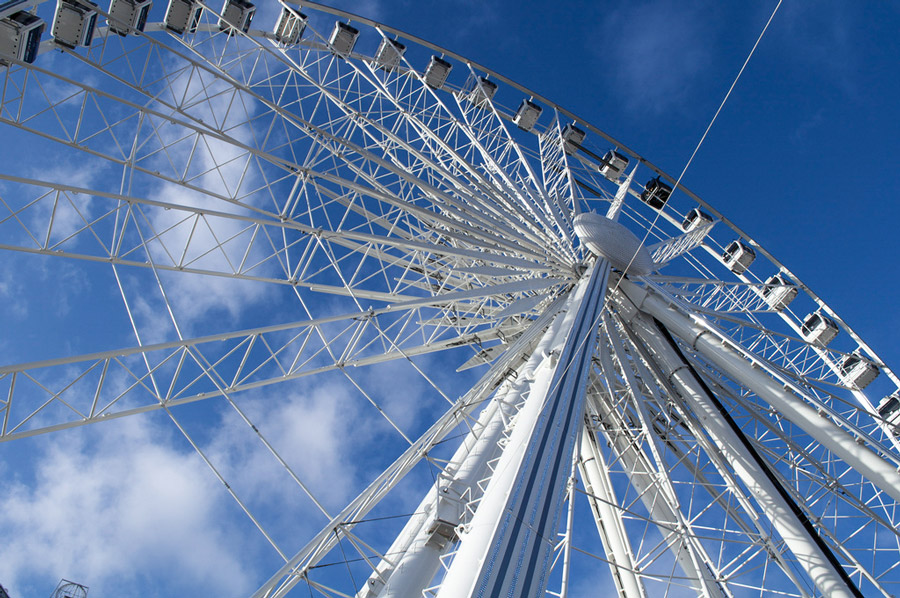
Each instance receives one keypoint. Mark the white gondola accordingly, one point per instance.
(482, 91)
(819, 329)
(290, 27)
(857, 371)
(389, 53)
(656, 193)
(183, 15)
(74, 23)
(738, 256)
(695, 218)
(128, 16)
(343, 38)
(572, 137)
(20, 36)
(889, 410)
(237, 14)
(527, 115)
(437, 72)
(778, 292)
(613, 165)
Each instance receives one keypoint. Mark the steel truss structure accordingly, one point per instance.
(681, 431)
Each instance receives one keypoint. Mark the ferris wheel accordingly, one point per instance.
(542, 360)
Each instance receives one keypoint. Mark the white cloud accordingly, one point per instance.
(654, 52)
(400, 391)
(107, 512)
(115, 504)
(207, 244)
(308, 429)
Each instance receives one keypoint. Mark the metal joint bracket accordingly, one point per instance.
(697, 338)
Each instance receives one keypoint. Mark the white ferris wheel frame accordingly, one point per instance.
(590, 356)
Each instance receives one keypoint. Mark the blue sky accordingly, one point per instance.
(803, 158)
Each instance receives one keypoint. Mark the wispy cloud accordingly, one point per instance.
(207, 244)
(819, 40)
(307, 428)
(114, 504)
(653, 52)
(69, 212)
(100, 512)
(11, 290)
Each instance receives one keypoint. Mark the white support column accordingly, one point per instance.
(800, 412)
(597, 485)
(660, 505)
(507, 548)
(415, 556)
(800, 539)
(648, 369)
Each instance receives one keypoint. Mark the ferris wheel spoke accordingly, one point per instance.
(163, 150)
(813, 368)
(812, 552)
(558, 179)
(493, 140)
(818, 381)
(191, 181)
(609, 517)
(68, 221)
(74, 391)
(183, 171)
(820, 476)
(476, 237)
(821, 473)
(366, 119)
(819, 483)
(835, 450)
(684, 435)
(466, 152)
(462, 156)
(667, 250)
(872, 465)
(799, 364)
(803, 359)
(707, 465)
(458, 171)
(505, 163)
(718, 296)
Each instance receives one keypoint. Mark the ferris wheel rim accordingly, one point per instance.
(254, 33)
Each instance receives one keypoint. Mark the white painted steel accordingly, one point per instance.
(660, 502)
(460, 483)
(702, 338)
(609, 519)
(390, 224)
(791, 530)
(555, 395)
